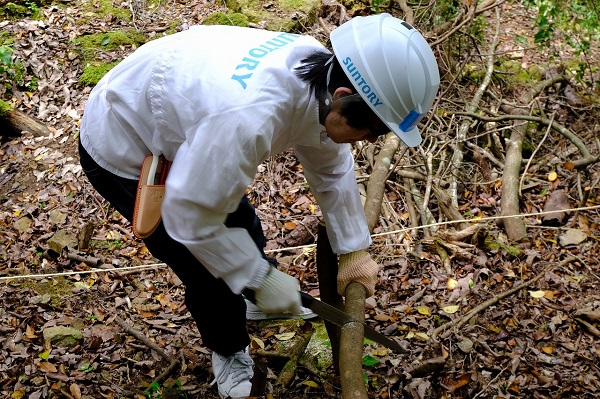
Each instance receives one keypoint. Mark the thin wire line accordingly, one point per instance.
(484, 219)
(116, 269)
(156, 265)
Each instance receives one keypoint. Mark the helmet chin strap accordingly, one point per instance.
(326, 105)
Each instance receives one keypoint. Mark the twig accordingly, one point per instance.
(461, 135)
(584, 197)
(459, 322)
(586, 159)
(485, 154)
(533, 154)
(427, 196)
(87, 259)
(162, 377)
(427, 367)
(408, 12)
(133, 16)
(137, 334)
(174, 363)
(590, 328)
(324, 26)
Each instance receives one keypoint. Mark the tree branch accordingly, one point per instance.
(587, 158)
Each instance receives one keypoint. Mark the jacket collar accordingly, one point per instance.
(305, 127)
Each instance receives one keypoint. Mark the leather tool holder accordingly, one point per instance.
(150, 195)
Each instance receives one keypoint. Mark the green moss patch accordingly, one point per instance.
(513, 74)
(93, 72)
(103, 9)
(508, 72)
(4, 108)
(90, 44)
(21, 9)
(279, 15)
(220, 18)
(50, 291)
(494, 245)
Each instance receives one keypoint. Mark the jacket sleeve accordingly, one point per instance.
(206, 182)
(329, 171)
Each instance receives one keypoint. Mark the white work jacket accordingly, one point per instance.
(218, 101)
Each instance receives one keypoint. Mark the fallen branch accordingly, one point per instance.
(589, 327)
(461, 135)
(289, 369)
(173, 363)
(427, 367)
(459, 322)
(376, 184)
(451, 27)
(445, 204)
(587, 158)
(14, 122)
(85, 258)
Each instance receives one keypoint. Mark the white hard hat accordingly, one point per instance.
(392, 67)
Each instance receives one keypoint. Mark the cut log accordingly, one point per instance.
(15, 122)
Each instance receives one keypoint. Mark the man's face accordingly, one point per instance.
(340, 132)
(337, 125)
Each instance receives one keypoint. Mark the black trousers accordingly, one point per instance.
(220, 315)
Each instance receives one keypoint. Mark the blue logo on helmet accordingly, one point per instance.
(361, 83)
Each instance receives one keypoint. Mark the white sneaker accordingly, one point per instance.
(233, 374)
(254, 313)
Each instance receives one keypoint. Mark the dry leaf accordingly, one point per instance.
(47, 367)
(30, 332)
(451, 309)
(572, 236)
(285, 336)
(537, 294)
(75, 391)
(381, 351)
(558, 201)
(424, 310)
(311, 384)
(382, 317)
(462, 381)
(257, 343)
(422, 336)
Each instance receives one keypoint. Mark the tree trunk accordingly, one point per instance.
(15, 122)
(509, 203)
(353, 336)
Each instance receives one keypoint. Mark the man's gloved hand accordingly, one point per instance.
(279, 292)
(357, 266)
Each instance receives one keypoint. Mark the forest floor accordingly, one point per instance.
(527, 316)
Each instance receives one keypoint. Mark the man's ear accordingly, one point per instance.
(341, 92)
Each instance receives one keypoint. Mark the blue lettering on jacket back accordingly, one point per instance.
(251, 62)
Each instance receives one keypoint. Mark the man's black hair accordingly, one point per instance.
(314, 71)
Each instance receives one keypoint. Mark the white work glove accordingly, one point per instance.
(278, 292)
(357, 266)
